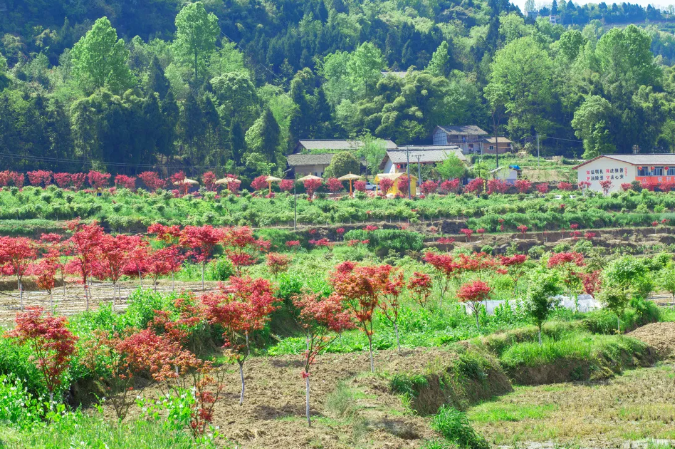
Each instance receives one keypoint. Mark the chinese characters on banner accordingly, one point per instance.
(603, 174)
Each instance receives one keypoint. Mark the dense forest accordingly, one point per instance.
(231, 85)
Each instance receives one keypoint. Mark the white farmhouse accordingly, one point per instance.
(626, 168)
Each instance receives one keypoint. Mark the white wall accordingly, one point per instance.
(606, 168)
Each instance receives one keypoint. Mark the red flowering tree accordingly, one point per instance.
(606, 185)
(11, 177)
(209, 180)
(468, 233)
(360, 186)
(277, 263)
(320, 317)
(542, 188)
(311, 186)
(114, 253)
(569, 265)
(234, 186)
(166, 234)
(592, 282)
(334, 185)
(514, 266)
(429, 187)
(152, 180)
(390, 304)
(446, 270)
(85, 251)
(45, 271)
(475, 186)
(449, 186)
(260, 183)
(201, 241)
(583, 185)
(566, 186)
(52, 344)
(497, 186)
(128, 182)
(523, 185)
(242, 248)
(420, 285)
(362, 288)
(16, 255)
(385, 185)
(98, 180)
(522, 229)
(78, 180)
(163, 262)
(40, 178)
(62, 179)
(241, 308)
(286, 185)
(403, 184)
(473, 294)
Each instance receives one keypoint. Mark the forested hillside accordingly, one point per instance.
(231, 85)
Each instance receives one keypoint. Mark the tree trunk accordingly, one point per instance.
(370, 350)
(398, 342)
(203, 263)
(20, 294)
(540, 343)
(618, 324)
(309, 420)
(243, 383)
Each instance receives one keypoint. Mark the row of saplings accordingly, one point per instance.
(243, 307)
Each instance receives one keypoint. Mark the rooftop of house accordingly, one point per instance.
(338, 144)
(501, 140)
(427, 154)
(637, 159)
(296, 160)
(469, 130)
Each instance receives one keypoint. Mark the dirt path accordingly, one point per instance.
(361, 413)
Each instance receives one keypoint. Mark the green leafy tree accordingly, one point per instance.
(544, 285)
(263, 136)
(342, 164)
(196, 34)
(591, 123)
(438, 66)
(616, 299)
(521, 81)
(373, 151)
(452, 167)
(99, 59)
(667, 280)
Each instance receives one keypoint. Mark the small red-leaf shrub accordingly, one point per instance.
(52, 344)
(11, 177)
(606, 185)
(334, 185)
(98, 180)
(560, 259)
(128, 182)
(242, 307)
(62, 179)
(566, 186)
(311, 186)
(523, 185)
(78, 180)
(360, 186)
(445, 241)
(497, 186)
(286, 185)
(468, 233)
(480, 231)
(293, 243)
(152, 180)
(522, 228)
(319, 316)
(163, 262)
(259, 183)
(429, 187)
(451, 186)
(277, 263)
(370, 228)
(420, 285)
(473, 294)
(591, 282)
(324, 242)
(209, 180)
(446, 269)
(362, 288)
(242, 248)
(40, 178)
(403, 184)
(542, 188)
(475, 185)
(590, 235)
(583, 185)
(385, 185)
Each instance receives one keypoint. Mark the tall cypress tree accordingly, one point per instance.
(157, 81)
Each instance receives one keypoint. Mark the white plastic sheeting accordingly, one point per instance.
(584, 303)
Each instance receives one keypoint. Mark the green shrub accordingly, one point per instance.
(384, 240)
(455, 427)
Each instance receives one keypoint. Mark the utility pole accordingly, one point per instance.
(537, 150)
(419, 169)
(407, 167)
(494, 130)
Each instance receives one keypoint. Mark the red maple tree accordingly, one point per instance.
(62, 180)
(152, 180)
(16, 254)
(473, 294)
(201, 241)
(98, 180)
(128, 182)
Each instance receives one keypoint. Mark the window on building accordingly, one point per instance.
(671, 171)
(492, 147)
(643, 171)
(658, 171)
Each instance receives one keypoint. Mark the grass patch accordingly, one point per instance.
(500, 411)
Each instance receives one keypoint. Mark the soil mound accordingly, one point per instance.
(659, 336)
